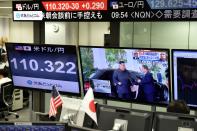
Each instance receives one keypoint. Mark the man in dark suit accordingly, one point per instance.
(121, 80)
(147, 84)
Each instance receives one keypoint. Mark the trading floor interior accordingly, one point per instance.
(153, 35)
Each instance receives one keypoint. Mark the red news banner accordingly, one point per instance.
(79, 5)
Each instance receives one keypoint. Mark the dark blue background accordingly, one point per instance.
(69, 55)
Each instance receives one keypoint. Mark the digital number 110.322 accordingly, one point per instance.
(48, 66)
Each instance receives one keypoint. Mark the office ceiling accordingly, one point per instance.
(6, 8)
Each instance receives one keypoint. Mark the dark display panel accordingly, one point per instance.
(185, 76)
(102, 71)
(42, 66)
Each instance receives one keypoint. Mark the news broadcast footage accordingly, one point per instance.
(140, 75)
(185, 76)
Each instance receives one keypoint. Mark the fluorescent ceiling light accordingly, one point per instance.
(5, 16)
(5, 7)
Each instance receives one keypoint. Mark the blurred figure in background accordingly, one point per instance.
(178, 106)
(4, 76)
(3, 54)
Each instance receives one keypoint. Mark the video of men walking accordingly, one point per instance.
(140, 75)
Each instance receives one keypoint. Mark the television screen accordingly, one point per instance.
(43, 66)
(185, 76)
(140, 75)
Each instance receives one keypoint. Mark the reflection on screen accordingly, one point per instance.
(185, 76)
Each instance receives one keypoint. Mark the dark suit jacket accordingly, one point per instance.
(147, 83)
(124, 78)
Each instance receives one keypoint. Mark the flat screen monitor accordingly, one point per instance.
(174, 122)
(128, 74)
(130, 120)
(33, 126)
(43, 66)
(184, 67)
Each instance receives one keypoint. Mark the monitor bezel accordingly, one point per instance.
(172, 67)
(122, 100)
(180, 116)
(45, 90)
(174, 114)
